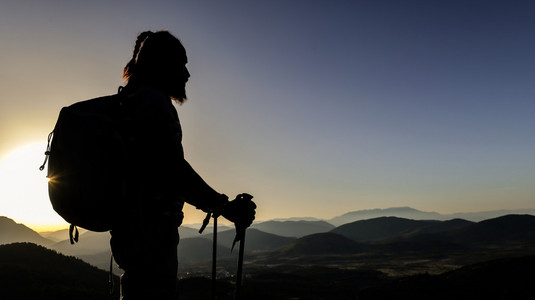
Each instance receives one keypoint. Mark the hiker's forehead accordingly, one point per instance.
(178, 52)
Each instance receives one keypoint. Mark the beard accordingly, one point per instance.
(179, 96)
(177, 91)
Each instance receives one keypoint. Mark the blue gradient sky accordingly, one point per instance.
(314, 107)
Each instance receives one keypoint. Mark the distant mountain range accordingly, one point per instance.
(300, 237)
(58, 235)
(293, 228)
(414, 214)
(89, 242)
(384, 228)
(406, 213)
(506, 229)
(404, 234)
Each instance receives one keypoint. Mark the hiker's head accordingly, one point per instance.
(159, 61)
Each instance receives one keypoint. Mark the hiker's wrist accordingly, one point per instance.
(219, 205)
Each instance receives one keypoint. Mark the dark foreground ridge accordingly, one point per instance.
(29, 271)
(509, 278)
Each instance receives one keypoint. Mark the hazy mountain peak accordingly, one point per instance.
(293, 228)
(401, 212)
(11, 232)
(295, 219)
(393, 209)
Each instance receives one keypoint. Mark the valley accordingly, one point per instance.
(355, 257)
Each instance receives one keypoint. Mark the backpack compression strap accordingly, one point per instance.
(73, 239)
(47, 151)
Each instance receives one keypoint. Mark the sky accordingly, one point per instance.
(316, 108)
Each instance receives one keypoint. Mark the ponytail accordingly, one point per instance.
(129, 68)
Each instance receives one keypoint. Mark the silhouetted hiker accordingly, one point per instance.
(144, 243)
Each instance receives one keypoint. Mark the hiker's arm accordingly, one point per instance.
(164, 146)
(198, 193)
(189, 183)
(193, 188)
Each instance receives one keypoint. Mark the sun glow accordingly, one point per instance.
(23, 188)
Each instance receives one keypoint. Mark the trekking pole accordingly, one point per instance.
(214, 259)
(240, 236)
(214, 249)
(239, 274)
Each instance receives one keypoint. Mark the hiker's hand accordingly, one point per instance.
(241, 211)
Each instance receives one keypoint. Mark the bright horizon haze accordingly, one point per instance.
(316, 108)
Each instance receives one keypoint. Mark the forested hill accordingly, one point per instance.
(29, 271)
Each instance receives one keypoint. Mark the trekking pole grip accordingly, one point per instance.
(214, 259)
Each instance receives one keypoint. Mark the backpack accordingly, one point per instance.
(87, 164)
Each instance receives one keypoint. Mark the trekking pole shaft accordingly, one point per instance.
(214, 260)
(239, 274)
